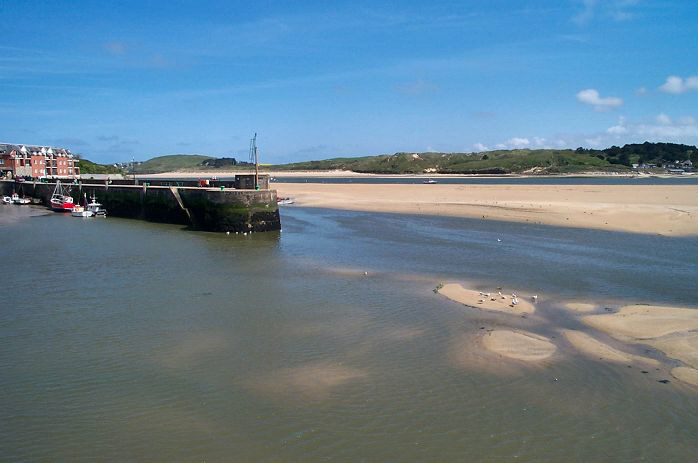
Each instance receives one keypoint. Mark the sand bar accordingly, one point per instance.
(686, 374)
(645, 321)
(682, 346)
(596, 349)
(663, 209)
(472, 298)
(581, 307)
(519, 345)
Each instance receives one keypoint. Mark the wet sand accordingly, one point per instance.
(685, 374)
(596, 349)
(671, 330)
(486, 300)
(645, 321)
(581, 307)
(519, 345)
(657, 209)
(668, 329)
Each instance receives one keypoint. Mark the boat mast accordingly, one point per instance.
(253, 157)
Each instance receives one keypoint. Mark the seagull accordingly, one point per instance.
(535, 298)
(498, 240)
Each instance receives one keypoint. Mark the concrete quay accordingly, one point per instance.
(201, 208)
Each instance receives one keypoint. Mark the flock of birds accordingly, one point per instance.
(514, 297)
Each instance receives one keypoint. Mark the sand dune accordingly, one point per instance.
(472, 298)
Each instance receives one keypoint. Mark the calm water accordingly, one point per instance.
(126, 340)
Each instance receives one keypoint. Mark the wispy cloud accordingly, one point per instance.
(676, 84)
(591, 97)
(616, 10)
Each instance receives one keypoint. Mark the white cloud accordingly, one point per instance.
(591, 96)
(518, 142)
(595, 142)
(664, 129)
(480, 147)
(676, 84)
(640, 91)
(663, 119)
(618, 129)
(500, 146)
(539, 141)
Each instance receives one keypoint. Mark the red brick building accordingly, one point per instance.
(37, 162)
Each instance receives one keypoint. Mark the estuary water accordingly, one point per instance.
(122, 340)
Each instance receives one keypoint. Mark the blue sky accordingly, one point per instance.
(116, 80)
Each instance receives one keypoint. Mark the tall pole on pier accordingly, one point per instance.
(253, 157)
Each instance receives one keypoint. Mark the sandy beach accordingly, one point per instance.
(657, 209)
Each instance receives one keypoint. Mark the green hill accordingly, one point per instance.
(491, 162)
(540, 161)
(89, 167)
(171, 163)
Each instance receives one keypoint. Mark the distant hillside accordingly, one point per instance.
(542, 161)
(640, 153)
(491, 162)
(171, 163)
(89, 167)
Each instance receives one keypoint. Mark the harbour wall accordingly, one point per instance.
(200, 208)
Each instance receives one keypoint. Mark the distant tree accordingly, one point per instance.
(485, 157)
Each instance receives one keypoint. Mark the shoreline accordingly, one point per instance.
(352, 174)
(669, 210)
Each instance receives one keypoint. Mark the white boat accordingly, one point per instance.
(17, 200)
(79, 211)
(96, 208)
(429, 181)
(6, 200)
(284, 201)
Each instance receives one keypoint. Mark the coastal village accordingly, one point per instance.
(37, 162)
(50, 176)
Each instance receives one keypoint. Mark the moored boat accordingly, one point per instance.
(96, 208)
(17, 200)
(7, 200)
(61, 201)
(80, 211)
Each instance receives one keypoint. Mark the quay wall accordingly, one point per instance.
(200, 208)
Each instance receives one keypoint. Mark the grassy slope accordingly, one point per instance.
(89, 167)
(505, 161)
(171, 163)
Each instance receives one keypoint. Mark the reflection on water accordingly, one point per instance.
(125, 340)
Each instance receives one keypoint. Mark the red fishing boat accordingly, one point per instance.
(61, 201)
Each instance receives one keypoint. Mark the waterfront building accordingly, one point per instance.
(37, 162)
